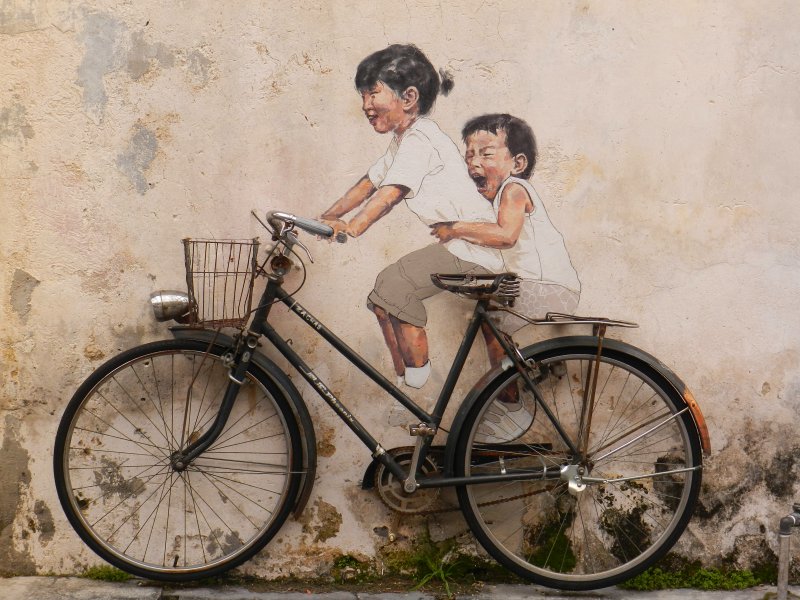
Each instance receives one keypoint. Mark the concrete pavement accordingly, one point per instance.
(75, 588)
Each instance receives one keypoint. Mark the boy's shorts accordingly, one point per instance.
(402, 286)
(535, 300)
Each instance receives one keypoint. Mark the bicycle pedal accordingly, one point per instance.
(421, 429)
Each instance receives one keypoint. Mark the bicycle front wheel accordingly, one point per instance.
(120, 490)
(593, 519)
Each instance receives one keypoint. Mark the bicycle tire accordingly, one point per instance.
(125, 500)
(610, 531)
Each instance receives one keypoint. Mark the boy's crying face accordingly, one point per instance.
(489, 161)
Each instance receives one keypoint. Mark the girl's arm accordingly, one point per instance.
(380, 203)
(515, 204)
(353, 198)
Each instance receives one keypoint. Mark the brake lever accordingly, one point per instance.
(297, 242)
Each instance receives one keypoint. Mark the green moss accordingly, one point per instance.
(349, 569)
(553, 549)
(674, 572)
(443, 564)
(106, 573)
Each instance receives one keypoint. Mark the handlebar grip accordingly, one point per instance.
(312, 226)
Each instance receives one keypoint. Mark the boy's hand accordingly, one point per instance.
(443, 231)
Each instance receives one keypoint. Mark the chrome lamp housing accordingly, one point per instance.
(171, 304)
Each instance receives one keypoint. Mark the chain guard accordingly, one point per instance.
(390, 489)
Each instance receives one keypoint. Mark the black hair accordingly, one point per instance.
(519, 135)
(401, 66)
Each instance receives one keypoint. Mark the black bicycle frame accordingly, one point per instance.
(260, 326)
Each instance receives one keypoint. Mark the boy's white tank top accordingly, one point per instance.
(540, 253)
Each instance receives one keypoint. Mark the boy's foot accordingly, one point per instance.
(506, 421)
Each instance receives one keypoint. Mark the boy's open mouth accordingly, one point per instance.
(480, 181)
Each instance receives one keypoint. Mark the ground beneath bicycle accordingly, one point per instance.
(74, 588)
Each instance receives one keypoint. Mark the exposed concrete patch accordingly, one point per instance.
(92, 351)
(14, 123)
(22, 287)
(14, 479)
(137, 158)
(325, 446)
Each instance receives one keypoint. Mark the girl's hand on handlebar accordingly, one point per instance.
(336, 224)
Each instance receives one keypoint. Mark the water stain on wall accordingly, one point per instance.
(144, 58)
(101, 36)
(19, 17)
(14, 479)
(14, 124)
(138, 156)
(22, 286)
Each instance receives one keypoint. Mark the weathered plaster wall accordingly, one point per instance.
(669, 136)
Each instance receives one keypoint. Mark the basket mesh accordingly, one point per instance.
(220, 275)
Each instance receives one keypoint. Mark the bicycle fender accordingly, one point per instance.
(282, 381)
(586, 341)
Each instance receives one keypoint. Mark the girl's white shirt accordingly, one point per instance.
(429, 164)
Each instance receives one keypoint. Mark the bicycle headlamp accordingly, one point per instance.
(170, 304)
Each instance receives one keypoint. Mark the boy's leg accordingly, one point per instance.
(412, 342)
(385, 322)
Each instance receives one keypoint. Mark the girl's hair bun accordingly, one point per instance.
(447, 81)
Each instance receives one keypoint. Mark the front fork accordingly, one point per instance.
(238, 364)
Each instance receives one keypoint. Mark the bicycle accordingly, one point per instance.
(182, 458)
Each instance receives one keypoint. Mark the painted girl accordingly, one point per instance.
(423, 167)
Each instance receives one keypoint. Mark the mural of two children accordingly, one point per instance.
(482, 210)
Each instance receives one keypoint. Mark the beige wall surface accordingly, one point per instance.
(669, 136)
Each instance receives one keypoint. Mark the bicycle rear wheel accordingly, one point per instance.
(120, 491)
(641, 470)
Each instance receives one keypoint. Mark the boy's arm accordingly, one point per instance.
(353, 198)
(381, 202)
(514, 206)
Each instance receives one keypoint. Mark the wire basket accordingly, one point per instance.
(220, 276)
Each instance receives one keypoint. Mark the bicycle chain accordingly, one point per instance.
(427, 512)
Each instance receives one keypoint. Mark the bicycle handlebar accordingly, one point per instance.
(310, 225)
(304, 223)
